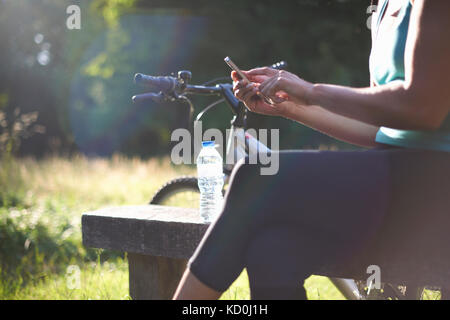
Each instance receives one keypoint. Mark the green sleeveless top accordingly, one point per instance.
(386, 65)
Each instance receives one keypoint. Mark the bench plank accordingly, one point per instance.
(151, 230)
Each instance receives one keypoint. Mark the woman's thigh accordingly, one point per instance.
(340, 196)
(334, 192)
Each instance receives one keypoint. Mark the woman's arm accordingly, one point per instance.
(334, 125)
(421, 102)
(315, 117)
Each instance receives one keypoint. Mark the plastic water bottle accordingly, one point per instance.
(210, 181)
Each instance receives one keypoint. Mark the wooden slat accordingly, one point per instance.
(151, 230)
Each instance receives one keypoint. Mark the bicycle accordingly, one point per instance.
(184, 190)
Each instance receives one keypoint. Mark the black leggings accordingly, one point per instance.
(321, 206)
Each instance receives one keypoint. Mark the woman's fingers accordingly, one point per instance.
(249, 94)
(245, 91)
(235, 76)
(259, 78)
(241, 89)
(271, 87)
(264, 71)
(257, 75)
(278, 99)
(263, 86)
(240, 84)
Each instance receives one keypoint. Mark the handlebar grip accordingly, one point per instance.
(164, 84)
(279, 65)
(156, 97)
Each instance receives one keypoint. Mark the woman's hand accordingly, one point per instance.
(248, 93)
(283, 84)
(279, 85)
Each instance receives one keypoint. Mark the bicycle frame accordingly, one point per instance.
(241, 144)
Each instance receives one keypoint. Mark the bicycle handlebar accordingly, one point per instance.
(169, 86)
(165, 84)
(156, 97)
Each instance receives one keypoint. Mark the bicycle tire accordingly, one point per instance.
(174, 186)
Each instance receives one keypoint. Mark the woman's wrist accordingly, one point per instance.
(290, 110)
(311, 95)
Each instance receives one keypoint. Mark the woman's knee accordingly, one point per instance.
(241, 168)
(274, 257)
(242, 178)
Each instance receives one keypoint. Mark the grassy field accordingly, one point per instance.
(40, 236)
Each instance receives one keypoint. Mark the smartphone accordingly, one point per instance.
(233, 66)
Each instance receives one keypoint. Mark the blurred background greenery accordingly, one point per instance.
(79, 82)
(72, 141)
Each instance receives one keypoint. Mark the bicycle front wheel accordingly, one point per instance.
(179, 192)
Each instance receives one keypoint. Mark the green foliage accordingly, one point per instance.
(15, 129)
(11, 183)
(34, 242)
(83, 93)
(111, 10)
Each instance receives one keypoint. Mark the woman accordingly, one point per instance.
(324, 206)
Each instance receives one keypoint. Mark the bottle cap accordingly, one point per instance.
(207, 143)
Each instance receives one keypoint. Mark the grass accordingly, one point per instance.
(317, 288)
(40, 221)
(40, 235)
(105, 281)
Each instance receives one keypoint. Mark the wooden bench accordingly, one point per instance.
(159, 240)
(410, 250)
